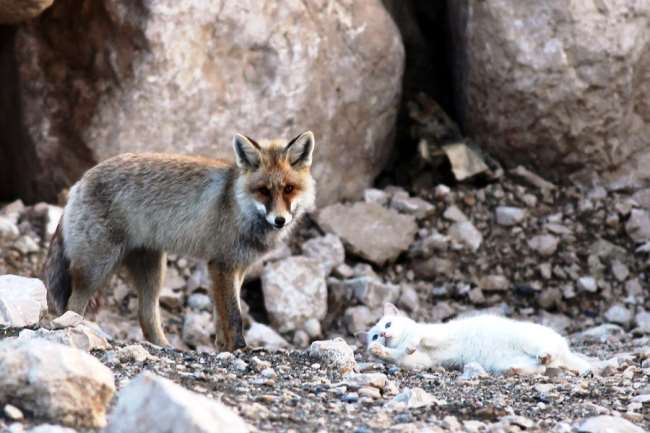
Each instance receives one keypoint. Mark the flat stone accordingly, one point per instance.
(453, 213)
(372, 292)
(467, 234)
(587, 284)
(544, 245)
(509, 216)
(369, 230)
(377, 196)
(260, 335)
(8, 230)
(294, 292)
(619, 314)
(85, 336)
(22, 301)
(642, 322)
(600, 334)
(494, 283)
(608, 424)
(55, 382)
(152, 404)
(328, 250)
(638, 225)
(415, 206)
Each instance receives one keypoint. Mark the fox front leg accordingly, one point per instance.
(226, 284)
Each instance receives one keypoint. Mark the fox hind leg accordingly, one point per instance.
(147, 270)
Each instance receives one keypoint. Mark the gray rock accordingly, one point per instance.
(368, 230)
(600, 334)
(452, 213)
(587, 284)
(294, 291)
(85, 336)
(260, 335)
(544, 245)
(301, 338)
(199, 302)
(26, 245)
(197, 329)
(51, 428)
(473, 370)
(355, 381)
(359, 318)
(642, 322)
(312, 328)
(466, 234)
(373, 292)
(171, 294)
(152, 404)
(335, 353)
(620, 271)
(433, 267)
(8, 230)
(378, 196)
(55, 382)
(619, 314)
(409, 298)
(328, 250)
(608, 424)
(509, 216)
(412, 206)
(133, 353)
(412, 398)
(22, 301)
(638, 225)
(67, 320)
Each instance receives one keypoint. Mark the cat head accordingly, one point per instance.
(390, 329)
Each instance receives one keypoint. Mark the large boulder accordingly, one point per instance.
(152, 404)
(55, 382)
(110, 76)
(561, 85)
(22, 301)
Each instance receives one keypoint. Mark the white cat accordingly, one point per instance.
(497, 343)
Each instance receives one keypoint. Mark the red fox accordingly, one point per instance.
(134, 208)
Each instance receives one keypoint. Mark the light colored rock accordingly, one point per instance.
(466, 234)
(84, 336)
(133, 353)
(509, 216)
(294, 291)
(544, 245)
(638, 225)
(587, 284)
(260, 335)
(171, 294)
(334, 353)
(197, 329)
(494, 283)
(619, 314)
(415, 206)
(369, 230)
(26, 245)
(14, 12)
(519, 61)
(359, 318)
(409, 298)
(55, 382)
(22, 301)
(12, 412)
(373, 292)
(51, 428)
(608, 424)
(354, 381)
(67, 320)
(620, 271)
(413, 398)
(600, 334)
(473, 370)
(452, 213)
(328, 250)
(8, 230)
(199, 302)
(190, 94)
(378, 196)
(642, 322)
(152, 404)
(312, 328)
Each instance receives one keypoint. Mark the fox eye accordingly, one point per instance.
(288, 189)
(264, 191)
(374, 337)
(388, 325)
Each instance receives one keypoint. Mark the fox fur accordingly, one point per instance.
(499, 344)
(132, 209)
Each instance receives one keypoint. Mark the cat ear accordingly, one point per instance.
(362, 337)
(390, 310)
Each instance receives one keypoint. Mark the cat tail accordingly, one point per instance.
(577, 363)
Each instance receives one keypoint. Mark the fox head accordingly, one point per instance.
(391, 329)
(275, 182)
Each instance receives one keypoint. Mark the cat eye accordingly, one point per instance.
(288, 189)
(264, 191)
(388, 325)
(374, 337)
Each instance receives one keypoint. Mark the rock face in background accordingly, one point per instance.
(14, 12)
(100, 78)
(563, 86)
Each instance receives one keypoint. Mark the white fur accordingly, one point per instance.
(497, 343)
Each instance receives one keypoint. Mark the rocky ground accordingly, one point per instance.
(575, 259)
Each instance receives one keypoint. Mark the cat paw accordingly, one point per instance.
(378, 350)
(410, 350)
(545, 358)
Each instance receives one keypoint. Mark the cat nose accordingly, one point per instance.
(382, 333)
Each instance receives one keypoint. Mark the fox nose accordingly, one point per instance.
(279, 221)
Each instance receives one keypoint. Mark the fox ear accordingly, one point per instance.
(299, 150)
(390, 310)
(362, 337)
(247, 151)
